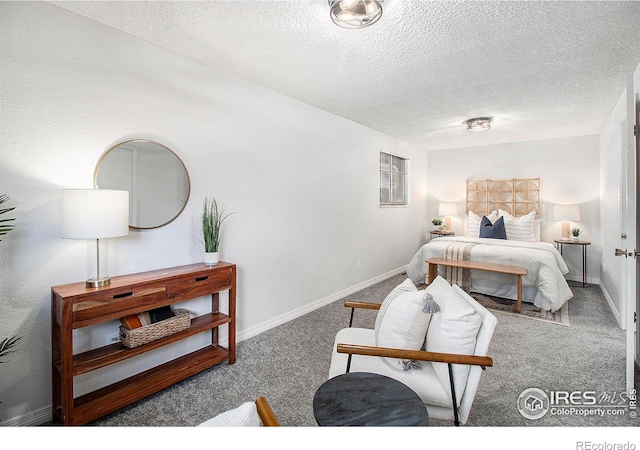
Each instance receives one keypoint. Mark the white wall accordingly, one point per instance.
(568, 171)
(611, 147)
(303, 184)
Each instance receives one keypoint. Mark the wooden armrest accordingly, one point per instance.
(418, 355)
(362, 305)
(267, 415)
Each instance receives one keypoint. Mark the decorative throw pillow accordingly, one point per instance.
(453, 330)
(403, 324)
(406, 286)
(494, 230)
(473, 223)
(519, 228)
(245, 415)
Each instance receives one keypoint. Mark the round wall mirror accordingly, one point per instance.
(157, 181)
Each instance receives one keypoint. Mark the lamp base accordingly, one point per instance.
(565, 231)
(97, 282)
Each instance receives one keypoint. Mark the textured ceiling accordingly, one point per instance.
(540, 69)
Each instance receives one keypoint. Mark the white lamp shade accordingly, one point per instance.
(448, 209)
(568, 213)
(94, 213)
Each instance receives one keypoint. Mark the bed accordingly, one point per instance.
(544, 285)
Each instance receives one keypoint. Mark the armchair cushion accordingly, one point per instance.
(401, 322)
(453, 330)
(423, 381)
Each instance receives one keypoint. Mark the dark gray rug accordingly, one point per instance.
(528, 310)
(287, 364)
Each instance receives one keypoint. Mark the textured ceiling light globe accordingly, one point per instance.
(355, 13)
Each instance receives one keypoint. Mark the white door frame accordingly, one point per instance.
(636, 133)
(630, 228)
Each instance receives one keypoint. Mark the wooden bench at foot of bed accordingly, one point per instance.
(473, 265)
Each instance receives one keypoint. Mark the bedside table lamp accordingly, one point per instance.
(566, 213)
(95, 214)
(447, 210)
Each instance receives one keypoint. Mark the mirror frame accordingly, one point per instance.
(104, 156)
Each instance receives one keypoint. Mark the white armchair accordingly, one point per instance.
(441, 356)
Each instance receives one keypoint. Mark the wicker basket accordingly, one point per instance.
(149, 333)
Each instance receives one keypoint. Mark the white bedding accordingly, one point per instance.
(545, 266)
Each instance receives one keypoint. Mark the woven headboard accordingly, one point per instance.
(517, 196)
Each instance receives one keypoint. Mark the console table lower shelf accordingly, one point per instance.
(108, 399)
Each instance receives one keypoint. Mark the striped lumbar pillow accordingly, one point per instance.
(519, 228)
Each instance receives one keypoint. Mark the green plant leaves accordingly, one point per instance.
(4, 226)
(212, 218)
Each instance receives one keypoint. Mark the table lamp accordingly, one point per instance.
(95, 214)
(447, 210)
(566, 213)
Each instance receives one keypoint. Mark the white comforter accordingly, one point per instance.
(545, 266)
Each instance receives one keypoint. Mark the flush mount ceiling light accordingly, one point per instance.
(479, 124)
(355, 13)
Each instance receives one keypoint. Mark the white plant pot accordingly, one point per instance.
(211, 258)
(575, 238)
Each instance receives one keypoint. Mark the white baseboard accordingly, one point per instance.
(578, 279)
(30, 419)
(260, 328)
(614, 310)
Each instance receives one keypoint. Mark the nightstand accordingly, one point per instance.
(561, 242)
(440, 233)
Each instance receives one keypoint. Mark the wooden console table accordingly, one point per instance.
(76, 306)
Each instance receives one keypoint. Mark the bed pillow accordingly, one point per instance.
(473, 224)
(494, 230)
(519, 228)
(536, 229)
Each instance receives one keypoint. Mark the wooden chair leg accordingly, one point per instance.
(519, 303)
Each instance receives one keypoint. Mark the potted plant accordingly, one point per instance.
(7, 344)
(4, 225)
(212, 218)
(6, 347)
(575, 233)
(438, 223)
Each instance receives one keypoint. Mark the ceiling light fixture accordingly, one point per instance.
(479, 124)
(355, 13)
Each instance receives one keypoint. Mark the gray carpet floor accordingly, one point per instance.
(287, 364)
